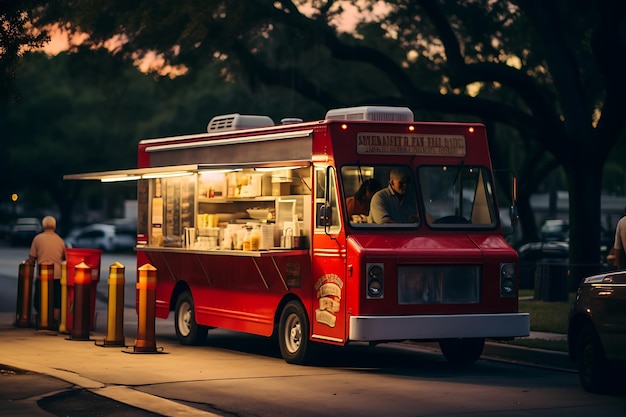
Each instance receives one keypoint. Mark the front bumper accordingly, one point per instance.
(441, 326)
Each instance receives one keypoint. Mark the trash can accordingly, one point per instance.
(551, 282)
(92, 258)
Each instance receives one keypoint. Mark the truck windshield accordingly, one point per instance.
(456, 195)
(442, 196)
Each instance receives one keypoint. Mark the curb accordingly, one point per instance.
(549, 359)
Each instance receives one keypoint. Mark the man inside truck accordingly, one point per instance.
(396, 203)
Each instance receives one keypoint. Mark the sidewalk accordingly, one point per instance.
(42, 370)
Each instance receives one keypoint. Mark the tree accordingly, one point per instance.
(545, 69)
(15, 18)
(86, 110)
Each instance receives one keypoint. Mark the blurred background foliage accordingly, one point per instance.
(540, 75)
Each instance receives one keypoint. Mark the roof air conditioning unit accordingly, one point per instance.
(237, 121)
(372, 114)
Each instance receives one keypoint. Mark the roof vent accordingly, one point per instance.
(372, 114)
(290, 120)
(237, 121)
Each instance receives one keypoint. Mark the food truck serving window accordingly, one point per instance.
(219, 208)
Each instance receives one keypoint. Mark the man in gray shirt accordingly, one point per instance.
(396, 203)
(49, 247)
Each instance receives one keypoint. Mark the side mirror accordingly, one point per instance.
(325, 215)
(514, 215)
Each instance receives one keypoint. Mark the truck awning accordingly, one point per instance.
(181, 170)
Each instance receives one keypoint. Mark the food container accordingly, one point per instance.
(259, 213)
(267, 236)
(209, 231)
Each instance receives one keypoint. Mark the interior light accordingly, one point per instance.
(166, 175)
(219, 171)
(270, 169)
(121, 178)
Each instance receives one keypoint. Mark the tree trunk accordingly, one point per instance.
(584, 183)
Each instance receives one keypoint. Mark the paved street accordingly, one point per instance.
(243, 375)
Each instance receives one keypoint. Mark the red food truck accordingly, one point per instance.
(248, 229)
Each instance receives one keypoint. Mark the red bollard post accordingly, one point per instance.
(46, 297)
(146, 287)
(24, 306)
(82, 304)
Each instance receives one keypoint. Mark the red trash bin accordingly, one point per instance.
(92, 258)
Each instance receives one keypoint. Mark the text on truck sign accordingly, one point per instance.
(410, 144)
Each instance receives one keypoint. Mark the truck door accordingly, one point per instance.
(328, 321)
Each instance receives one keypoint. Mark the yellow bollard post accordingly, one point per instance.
(146, 288)
(82, 302)
(23, 317)
(115, 311)
(63, 323)
(46, 296)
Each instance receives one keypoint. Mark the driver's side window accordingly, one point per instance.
(326, 209)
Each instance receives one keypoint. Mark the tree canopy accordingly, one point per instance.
(16, 16)
(541, 72)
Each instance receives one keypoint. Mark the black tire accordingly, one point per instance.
(187, 330)
(293, 335)
(593, 369)
(462, 351)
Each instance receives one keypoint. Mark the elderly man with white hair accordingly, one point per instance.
(49, 247)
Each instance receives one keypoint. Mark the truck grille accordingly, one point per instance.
(456, 284)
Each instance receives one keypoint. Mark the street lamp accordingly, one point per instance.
(14, 198)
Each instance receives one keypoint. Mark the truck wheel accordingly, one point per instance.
(462, 351)
(593, 369)
(293, 334)
(187, 330)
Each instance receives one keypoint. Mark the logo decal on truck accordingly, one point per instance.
(328, 292)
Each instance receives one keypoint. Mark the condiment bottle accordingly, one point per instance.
(246, 240)
(255, 239)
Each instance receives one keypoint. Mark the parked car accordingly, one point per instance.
(555, 230)
(107, 237)
(597, 332)
(24, 230)
(534, 253)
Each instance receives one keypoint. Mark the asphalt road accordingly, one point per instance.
(235, 374)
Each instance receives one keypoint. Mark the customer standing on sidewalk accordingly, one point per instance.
(617, 252)
(48, 246)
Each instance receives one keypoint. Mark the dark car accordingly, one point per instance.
(24, 230)
(535, 253)
(555, 230)
(597, 332)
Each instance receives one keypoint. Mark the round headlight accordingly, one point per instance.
(374, 288)
(507, 287)
(375, 272)
(508, 270)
